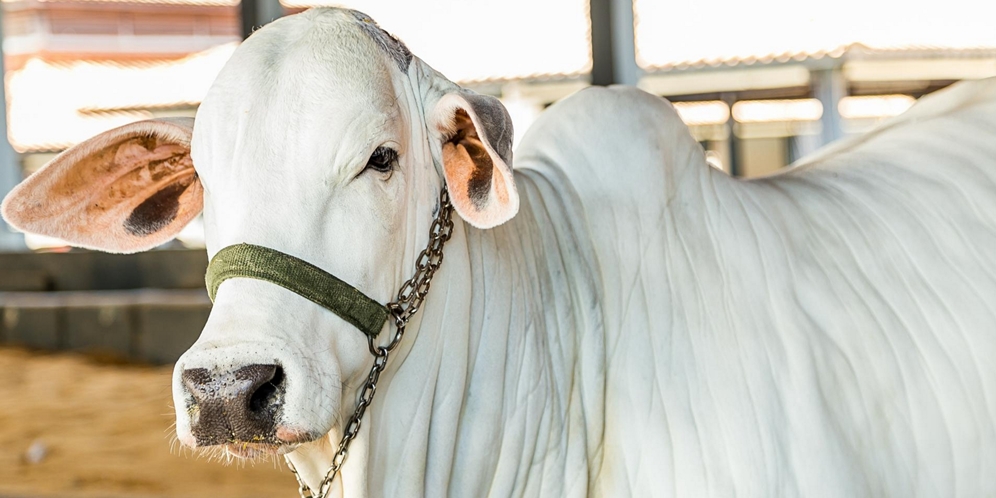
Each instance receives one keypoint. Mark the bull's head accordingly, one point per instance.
(322, 138)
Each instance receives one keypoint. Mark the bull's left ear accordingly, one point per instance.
(126, 190)
(476, 135)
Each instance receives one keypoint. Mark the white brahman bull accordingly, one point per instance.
(644, 326)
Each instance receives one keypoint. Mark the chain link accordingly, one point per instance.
(409, 301)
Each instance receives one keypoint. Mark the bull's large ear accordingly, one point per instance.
(476, 135)
(125, 190)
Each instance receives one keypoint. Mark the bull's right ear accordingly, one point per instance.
(125, 190)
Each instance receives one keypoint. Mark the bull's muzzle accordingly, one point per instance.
(239, 406)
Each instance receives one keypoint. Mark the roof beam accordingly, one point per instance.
(734, 168)
(764, 79)
(613, 43)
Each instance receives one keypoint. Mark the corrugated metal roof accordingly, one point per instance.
(856, 51)
(56, 104)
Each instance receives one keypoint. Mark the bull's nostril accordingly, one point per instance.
(265, 395)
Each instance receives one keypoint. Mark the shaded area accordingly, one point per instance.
(147, 307)
(88, 270)
(149, 325)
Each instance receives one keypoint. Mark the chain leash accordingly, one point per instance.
(409, 301)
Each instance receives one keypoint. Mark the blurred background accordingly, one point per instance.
(87, 339)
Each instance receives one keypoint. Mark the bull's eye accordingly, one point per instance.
(382, 159)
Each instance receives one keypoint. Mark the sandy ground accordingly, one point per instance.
(98, 429)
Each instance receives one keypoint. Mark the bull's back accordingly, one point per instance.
(824, 331)
(890, 240)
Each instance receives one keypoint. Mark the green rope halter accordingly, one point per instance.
(298, 276)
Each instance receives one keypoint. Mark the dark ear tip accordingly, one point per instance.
(495, 121)
(158, 211)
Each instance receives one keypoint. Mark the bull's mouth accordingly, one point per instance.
(286, 441)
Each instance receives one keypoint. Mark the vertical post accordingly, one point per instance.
(256, 13)
(829, 86)
(10, 168)
(736, 169)
(613, 43)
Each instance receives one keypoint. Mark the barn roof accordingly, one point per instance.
(821, 57)
(53, 105)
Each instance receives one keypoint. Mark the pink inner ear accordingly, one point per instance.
(479, 182)
(124, 191)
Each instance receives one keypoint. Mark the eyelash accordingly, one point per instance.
(382, 159)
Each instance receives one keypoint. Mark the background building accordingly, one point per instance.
(760, 86)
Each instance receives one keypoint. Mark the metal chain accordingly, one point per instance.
(409, 301)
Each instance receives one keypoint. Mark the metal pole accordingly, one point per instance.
(256, 13)
(613, 43)
(829, 86)
(10, 168)
(736, 169)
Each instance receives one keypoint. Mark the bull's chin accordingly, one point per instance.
(254, 451)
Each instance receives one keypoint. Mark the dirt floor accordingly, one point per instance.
(74, 426)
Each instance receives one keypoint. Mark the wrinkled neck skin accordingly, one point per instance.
(495, 408)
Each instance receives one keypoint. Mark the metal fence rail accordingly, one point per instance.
(145, 307)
